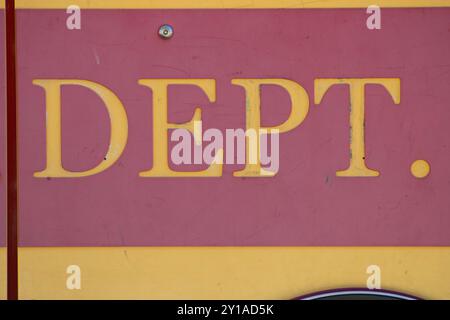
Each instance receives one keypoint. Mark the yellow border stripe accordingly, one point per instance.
(228, 272)
(2, 273)
(225, 4)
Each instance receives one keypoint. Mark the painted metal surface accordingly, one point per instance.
(305, 203)
(229, 272)
(123, 224)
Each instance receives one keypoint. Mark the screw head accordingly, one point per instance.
(165, 31)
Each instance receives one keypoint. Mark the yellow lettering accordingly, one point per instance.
(299, 110)
(117, 115)
(357, 167)
(161, 127)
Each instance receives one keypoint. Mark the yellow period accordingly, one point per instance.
(420, 169)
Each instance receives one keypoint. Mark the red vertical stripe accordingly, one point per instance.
(11, 115)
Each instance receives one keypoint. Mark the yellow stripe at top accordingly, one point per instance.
(225, 4)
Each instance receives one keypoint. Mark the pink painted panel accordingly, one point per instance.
(305, 204)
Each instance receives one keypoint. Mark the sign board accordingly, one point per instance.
(232, 149)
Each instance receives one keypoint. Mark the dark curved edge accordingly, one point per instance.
(350, 291)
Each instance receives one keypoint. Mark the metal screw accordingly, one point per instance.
(165, 31)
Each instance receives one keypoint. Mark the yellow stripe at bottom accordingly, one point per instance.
(226, 272)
